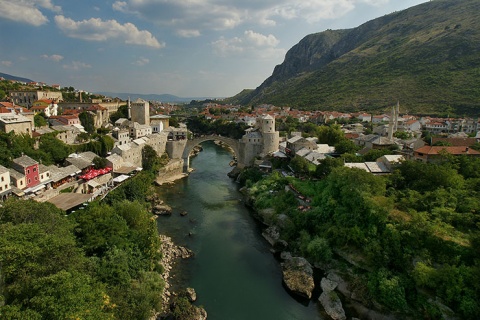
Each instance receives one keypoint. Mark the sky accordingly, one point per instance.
(188, 48)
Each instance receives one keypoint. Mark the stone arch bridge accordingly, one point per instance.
(232, 143)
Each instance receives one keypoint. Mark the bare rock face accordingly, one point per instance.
(332, 305)
(191, 294)
(298, 276)
(271, 234)
(329, 298)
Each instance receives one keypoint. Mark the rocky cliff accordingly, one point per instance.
(426, 56)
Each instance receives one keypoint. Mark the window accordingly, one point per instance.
(28, 171)
(29, 181)
(34, 169)
(3, 179)
(6, 186)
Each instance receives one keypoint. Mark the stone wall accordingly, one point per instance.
(172, 171)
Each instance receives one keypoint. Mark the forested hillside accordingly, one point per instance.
(427, 57)
(101, 262)
(407, 242)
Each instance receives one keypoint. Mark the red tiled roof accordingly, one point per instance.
(459, 150)
(70, 112)
(6, 104)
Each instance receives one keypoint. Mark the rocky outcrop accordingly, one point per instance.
(191, 294)
(271, 234)
(162, 210)
(332, 305)
(298, 276)
(330, 300)
(170, 254)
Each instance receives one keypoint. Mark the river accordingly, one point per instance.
(235, 275)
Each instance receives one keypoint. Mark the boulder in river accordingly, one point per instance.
(191, 294)
(271, 234)
(332, 305)
(298, 276)
(162, 210)
(329, 298)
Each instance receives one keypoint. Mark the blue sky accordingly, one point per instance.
(189, 48)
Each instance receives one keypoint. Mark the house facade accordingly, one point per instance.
(29, 168)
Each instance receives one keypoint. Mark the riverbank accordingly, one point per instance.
(232, 260)
(171, 254)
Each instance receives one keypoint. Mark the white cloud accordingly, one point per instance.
(53, 57)
(141, 62)
(27, 11)
(6, 63)
(96, 29)
(77, 65)
(261, 40)
(22, 11)
(252, 44)
(190, 33)
(227, 14)
(225, 47)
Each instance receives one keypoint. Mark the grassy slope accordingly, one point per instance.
(428, 57)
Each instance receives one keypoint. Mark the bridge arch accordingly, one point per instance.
(232, 143)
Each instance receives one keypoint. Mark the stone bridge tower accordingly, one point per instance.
(259, 141)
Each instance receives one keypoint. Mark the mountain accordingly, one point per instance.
(10, 77)
(150, 97)
(427, 57)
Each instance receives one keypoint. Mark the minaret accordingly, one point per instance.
(390, 124)
(397, 112)
(129, 108)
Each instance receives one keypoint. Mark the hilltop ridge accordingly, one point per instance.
(427, 56)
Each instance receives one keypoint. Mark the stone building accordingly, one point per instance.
(17, 123)
(139, 111)
(120, 136)
(27, 98)
(261, 140)
(159, 122)
(29, 168)
(5, 187)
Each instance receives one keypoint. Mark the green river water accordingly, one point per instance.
(235, 275)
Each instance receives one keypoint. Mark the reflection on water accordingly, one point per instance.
(233, 271)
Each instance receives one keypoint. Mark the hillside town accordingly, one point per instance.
(147, 124)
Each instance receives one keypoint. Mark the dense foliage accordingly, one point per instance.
(100, 262)
(51, 149)
(199, 125)
(417, 231)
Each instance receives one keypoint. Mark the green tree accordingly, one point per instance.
(300, 165)
(99, 162)
(99, 228)
(86, 119)
(150, 159)
(346, 146)
(57, 149)
(122, 112)
(66, 295)
(330, 135)
(326, 166)
(40, 120)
